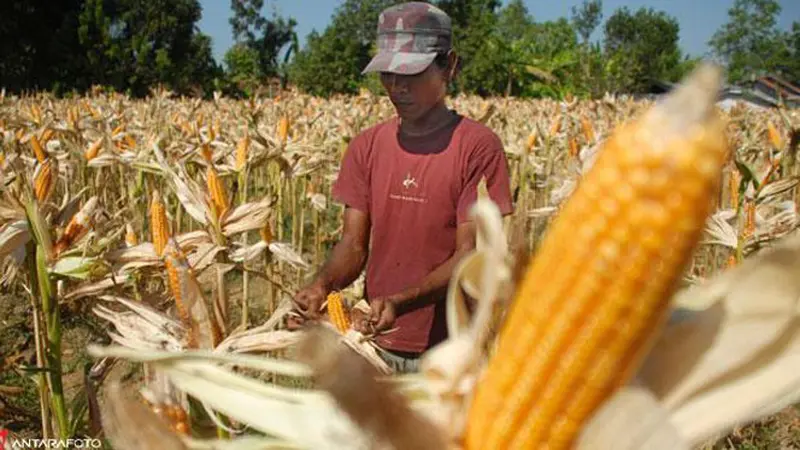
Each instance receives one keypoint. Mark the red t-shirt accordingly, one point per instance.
(416, 192)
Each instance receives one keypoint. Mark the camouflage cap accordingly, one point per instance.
(409, 37)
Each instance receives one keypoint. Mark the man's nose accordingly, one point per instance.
(398, 83)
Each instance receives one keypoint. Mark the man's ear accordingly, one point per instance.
(452, 65)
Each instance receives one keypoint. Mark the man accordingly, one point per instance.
(408, 185)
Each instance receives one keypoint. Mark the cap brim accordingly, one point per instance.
(402, 63)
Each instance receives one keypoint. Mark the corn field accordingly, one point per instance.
(185, 226)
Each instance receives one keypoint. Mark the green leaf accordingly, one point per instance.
(748, 175)
(78, 267)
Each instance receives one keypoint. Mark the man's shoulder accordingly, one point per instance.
(478, 134)
(369, 134)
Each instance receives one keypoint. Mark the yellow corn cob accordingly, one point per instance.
(77, 227)
(43, 180)
(531, 142)
(266, 233)
(93, 150)
(337, 313)
(732, 261)
(159, 228)
(203, 331)
(241, 152)
(573, 147)
(41, 155)
(216, 188)
(733, 188)
(205, 152)
(774, 136)
(750, 219)
(555, 127)
(283, 129)
(36, 113)
(47, 135)
(588, 130)
(130, 236)
(598, 288)
(130, 142)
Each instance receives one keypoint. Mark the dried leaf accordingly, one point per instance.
(632, 419)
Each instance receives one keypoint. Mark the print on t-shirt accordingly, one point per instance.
(410, 192)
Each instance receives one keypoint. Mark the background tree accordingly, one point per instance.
(474, 23)
(585, 19)
(267, 38)
(751, 44)
(134, 45)
(39, 46)
(332, 61)
(640, 47)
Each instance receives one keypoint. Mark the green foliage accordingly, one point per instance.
(474, 23)
(131, 46)
(266, 38)
(586, 18)
(640, 47)
(243, 68)
(751, 44)
(332, 61)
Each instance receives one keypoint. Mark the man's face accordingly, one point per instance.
(415, 95)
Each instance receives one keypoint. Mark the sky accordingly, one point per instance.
(699, 19)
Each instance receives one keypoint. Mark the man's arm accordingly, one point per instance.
(349, 255)
(343, 265)
(384, 310)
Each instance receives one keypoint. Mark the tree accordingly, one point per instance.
(134, 45)
(266, 37)
(474, 22)
(243, 68)
(640, 48)
(332, 61)
(39, 46)
(585, 20)
(750, 43)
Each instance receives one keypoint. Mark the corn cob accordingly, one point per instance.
(77, 227)
(531, 142)
(750, 219)
(130, 236)
(774, 136)
(599, 287)
(41, 155)
(159, 228)
(733, 188)
(43, 180)
(555, 127)
(36, 113)
(266, 233)
(205, 152)
(241, 152)
(588, 130)
(337, 313)
(47, 135)
(573, 147)
(283, 129)
(203, 332)
(216, 189)
(93, 150)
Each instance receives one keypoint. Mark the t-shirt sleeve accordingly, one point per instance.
(488, 159)
(352, 184)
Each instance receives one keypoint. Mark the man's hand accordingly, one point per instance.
(309, 300)
(383, 313)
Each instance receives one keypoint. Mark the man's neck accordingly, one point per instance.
(437, 118)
